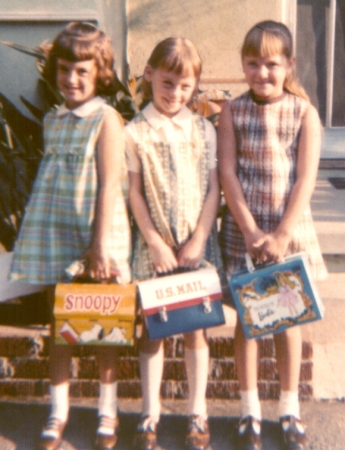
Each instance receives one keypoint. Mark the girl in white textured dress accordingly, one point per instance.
(269, 147)
(174, 196)
(77, 208)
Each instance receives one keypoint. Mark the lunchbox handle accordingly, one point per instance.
(249, 263)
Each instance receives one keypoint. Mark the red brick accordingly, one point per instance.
(269, 390)
(169, 347)
(266, 348)
(87, 368)
(30, 367)
(267, 370)
(223, 390)
(307, 350)
(127, 368)
(129, 389)
(17, 346)
(84, 388)
(306, 373)
(179, 347)
(174, 370)
(305, 391)
(174, 390)
(223, 370)
(221, 347)
(17, 388)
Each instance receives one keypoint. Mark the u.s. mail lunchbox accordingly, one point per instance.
(273, 297)
(182, 303)
(95, 314)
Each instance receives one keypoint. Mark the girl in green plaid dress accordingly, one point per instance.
(269, 147)
(174, 196)
(77, 209)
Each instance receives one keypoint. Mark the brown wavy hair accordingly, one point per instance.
(270, 38)
(174, 55)
(82, 41)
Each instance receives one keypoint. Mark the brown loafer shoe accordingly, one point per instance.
(198, 434)
(294, 435)
(146, 435)
(104, 439)
(249, 430)
(51, 435)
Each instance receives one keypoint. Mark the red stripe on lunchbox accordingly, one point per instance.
(183, 304)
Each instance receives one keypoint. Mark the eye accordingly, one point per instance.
(82, 71)
(168, 83)
(62, 69)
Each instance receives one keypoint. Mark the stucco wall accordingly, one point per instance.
(216, 27)
(32, 25)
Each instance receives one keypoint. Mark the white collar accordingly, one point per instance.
(83, 110)
(157, 120)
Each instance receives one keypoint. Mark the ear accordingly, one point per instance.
(148, 73)
(292, 63)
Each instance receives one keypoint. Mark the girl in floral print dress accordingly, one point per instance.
(174, 196)
(269, 147)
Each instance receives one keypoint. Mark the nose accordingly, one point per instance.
(175, 92)
(262, 71)
(71, 76)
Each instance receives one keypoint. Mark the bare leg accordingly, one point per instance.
(106, 358)
(60, 355)
(289, 355)
(246, 357)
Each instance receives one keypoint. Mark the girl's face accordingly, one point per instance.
(170, 91)
(266, 75)
(76, 81)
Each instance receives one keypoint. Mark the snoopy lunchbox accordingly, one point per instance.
(182, 302)
(270, 298)
(95, 314)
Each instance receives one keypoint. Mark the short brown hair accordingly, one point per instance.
(82, 41)
(269, 38)
(174, 55)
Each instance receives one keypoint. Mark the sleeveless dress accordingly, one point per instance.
(58, 224)
(267, 136)
(175, 177)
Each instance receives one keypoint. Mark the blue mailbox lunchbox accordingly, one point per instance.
(270, 298)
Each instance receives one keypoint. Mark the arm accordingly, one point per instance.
(309, 145)
(162, 255)
(192, 252)
(231, 185)
(110, 157)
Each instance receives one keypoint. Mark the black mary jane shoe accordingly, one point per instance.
(248, 437)
(293, 432)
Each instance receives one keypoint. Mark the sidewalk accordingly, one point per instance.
(20, 425)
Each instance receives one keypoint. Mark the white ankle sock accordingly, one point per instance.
(60, 401)
(250, 404)
(197, 366)
(288, 404)
(151, 372)
(107, 401)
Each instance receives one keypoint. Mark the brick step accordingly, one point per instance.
(24, 370)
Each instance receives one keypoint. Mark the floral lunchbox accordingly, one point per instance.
(269, 298)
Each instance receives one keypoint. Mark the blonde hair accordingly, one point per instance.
(174, 55)
(82, 41)
(270, 38)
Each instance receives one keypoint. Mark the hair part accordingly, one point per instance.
(82, 41)
(177, 55)
(270, 38)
